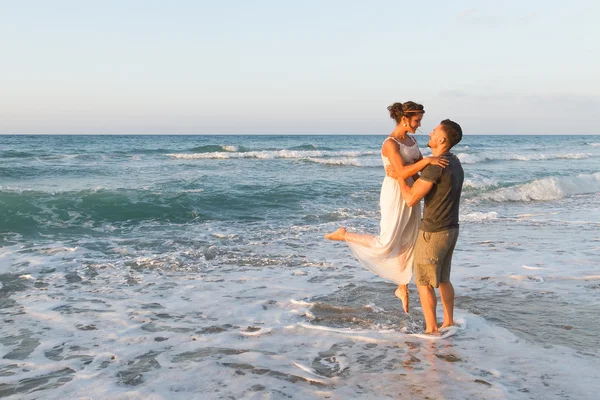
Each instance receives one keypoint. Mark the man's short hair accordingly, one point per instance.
(453, 131)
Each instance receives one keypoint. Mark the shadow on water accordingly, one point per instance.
(368, 306)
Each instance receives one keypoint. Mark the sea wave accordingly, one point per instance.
(348, 161)
(479, 182)
(83, 211)
(242, 149)
(469, 158)
(309, 147)
(93, 156)
(16, 154)
(218, 149)
(479, 216)
(552, 188)
(271, 154)
(145, 151)
(29, 211)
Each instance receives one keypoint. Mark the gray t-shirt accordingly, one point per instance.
(441, 203)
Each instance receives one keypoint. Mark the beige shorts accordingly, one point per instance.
(433, 257)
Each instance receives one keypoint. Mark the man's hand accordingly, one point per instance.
(392, 173)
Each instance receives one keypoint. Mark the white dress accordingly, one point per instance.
(390, 255)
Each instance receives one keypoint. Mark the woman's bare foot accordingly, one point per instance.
(340, 234)
(446, 325)
(402, 294)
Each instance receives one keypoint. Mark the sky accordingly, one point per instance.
(297, 67)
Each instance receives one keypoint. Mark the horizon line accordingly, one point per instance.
(283, 134)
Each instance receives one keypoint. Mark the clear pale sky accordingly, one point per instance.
(146, 66)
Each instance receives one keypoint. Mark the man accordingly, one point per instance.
(441, 188)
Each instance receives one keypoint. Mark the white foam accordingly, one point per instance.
(479, 216)
(547, 189)
(258, 332)
(367, 336)
(580, 278)
(467, 158)
(443, 333)
(309, 370)
(538, 279)
(301, 303)
(225, 236)
(534, 268)
(541, 157)
(193, 190)
(56, 250)
(474, 158)
(285, 354)
(273, 154)
(346, 161)
(478, 182)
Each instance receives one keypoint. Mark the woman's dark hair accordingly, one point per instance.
(408, 109)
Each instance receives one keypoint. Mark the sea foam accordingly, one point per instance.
(552, 188)
(271, 154)
(479, 216)
(474, 158)
(340, 161)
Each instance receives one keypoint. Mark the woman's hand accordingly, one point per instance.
(439, 160)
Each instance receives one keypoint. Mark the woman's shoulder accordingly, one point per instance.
(390, 143)
(389, 146)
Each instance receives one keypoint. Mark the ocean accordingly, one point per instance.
(194, 267)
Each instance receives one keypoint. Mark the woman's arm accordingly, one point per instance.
(390, 150)
(417, 176)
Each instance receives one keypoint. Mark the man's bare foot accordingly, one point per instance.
(402, 294)
(340, 234)
(434, 333)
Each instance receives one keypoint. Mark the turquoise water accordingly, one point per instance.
(132, 246)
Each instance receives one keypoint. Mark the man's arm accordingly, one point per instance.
(412, 195)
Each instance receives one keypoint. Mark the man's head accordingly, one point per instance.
(446, 135)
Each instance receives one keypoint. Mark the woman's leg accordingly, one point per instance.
(342, 234)
(402, 294)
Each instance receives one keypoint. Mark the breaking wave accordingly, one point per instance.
(468, 158)
(552, 188)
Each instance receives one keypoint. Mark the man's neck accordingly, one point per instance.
(440, 150)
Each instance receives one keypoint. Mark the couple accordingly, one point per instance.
(401, 241)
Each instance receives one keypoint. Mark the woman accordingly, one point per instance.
(390, 254)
